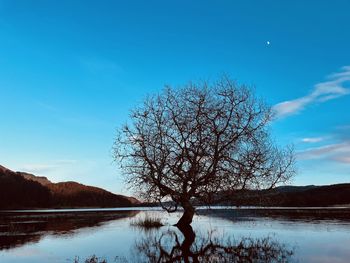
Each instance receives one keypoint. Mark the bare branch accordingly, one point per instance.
(199, 140)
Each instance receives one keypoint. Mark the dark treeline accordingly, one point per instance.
(17, 192)
(287, 196)
(72, 194)
(284, 196)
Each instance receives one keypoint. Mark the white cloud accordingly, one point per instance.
(342, 159)
(42, 168)
(324, 91)
(312, 139)
(37, 168)
(339, 152)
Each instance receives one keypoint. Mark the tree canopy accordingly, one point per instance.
(198, 140)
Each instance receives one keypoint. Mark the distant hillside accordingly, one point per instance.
(75, 194)
(40, 179)
(329, 195)
(18, 192)
(23, 190)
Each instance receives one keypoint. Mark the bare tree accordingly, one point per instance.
(193, 142)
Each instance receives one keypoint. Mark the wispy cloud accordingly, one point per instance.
(342, 159)
(312, 139)
(338, 152)
(42, 168)
(336, 146)
(323, 91)
(316, 152)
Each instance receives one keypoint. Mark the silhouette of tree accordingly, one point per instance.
(194, 142)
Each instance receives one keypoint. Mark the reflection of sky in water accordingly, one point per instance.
(326, 241)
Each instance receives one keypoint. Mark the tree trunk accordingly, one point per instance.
(188, 214)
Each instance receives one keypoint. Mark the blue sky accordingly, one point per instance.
(70, 71)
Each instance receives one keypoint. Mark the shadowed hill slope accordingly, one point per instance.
(18, 192)
(23, 190)
(75, 194)
(287, 196)
(40, 179)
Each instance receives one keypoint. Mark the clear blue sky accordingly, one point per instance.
(70, 71)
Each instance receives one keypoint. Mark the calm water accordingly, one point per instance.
(261, 235)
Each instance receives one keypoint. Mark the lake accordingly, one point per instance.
(218, 235)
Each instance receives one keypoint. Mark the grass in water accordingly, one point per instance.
(91, 259)
(147, 222)
(95, 259)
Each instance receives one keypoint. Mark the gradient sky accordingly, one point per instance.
(70, 71)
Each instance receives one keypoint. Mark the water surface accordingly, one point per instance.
(264, 235)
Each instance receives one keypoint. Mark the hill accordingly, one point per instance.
(73, 194)
(18, 192)
(40, 179)
(288, 196)
(24, 190)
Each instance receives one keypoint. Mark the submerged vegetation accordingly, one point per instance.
(91, 259)
(147, 222)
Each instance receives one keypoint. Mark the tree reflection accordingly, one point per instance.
(171, 246)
